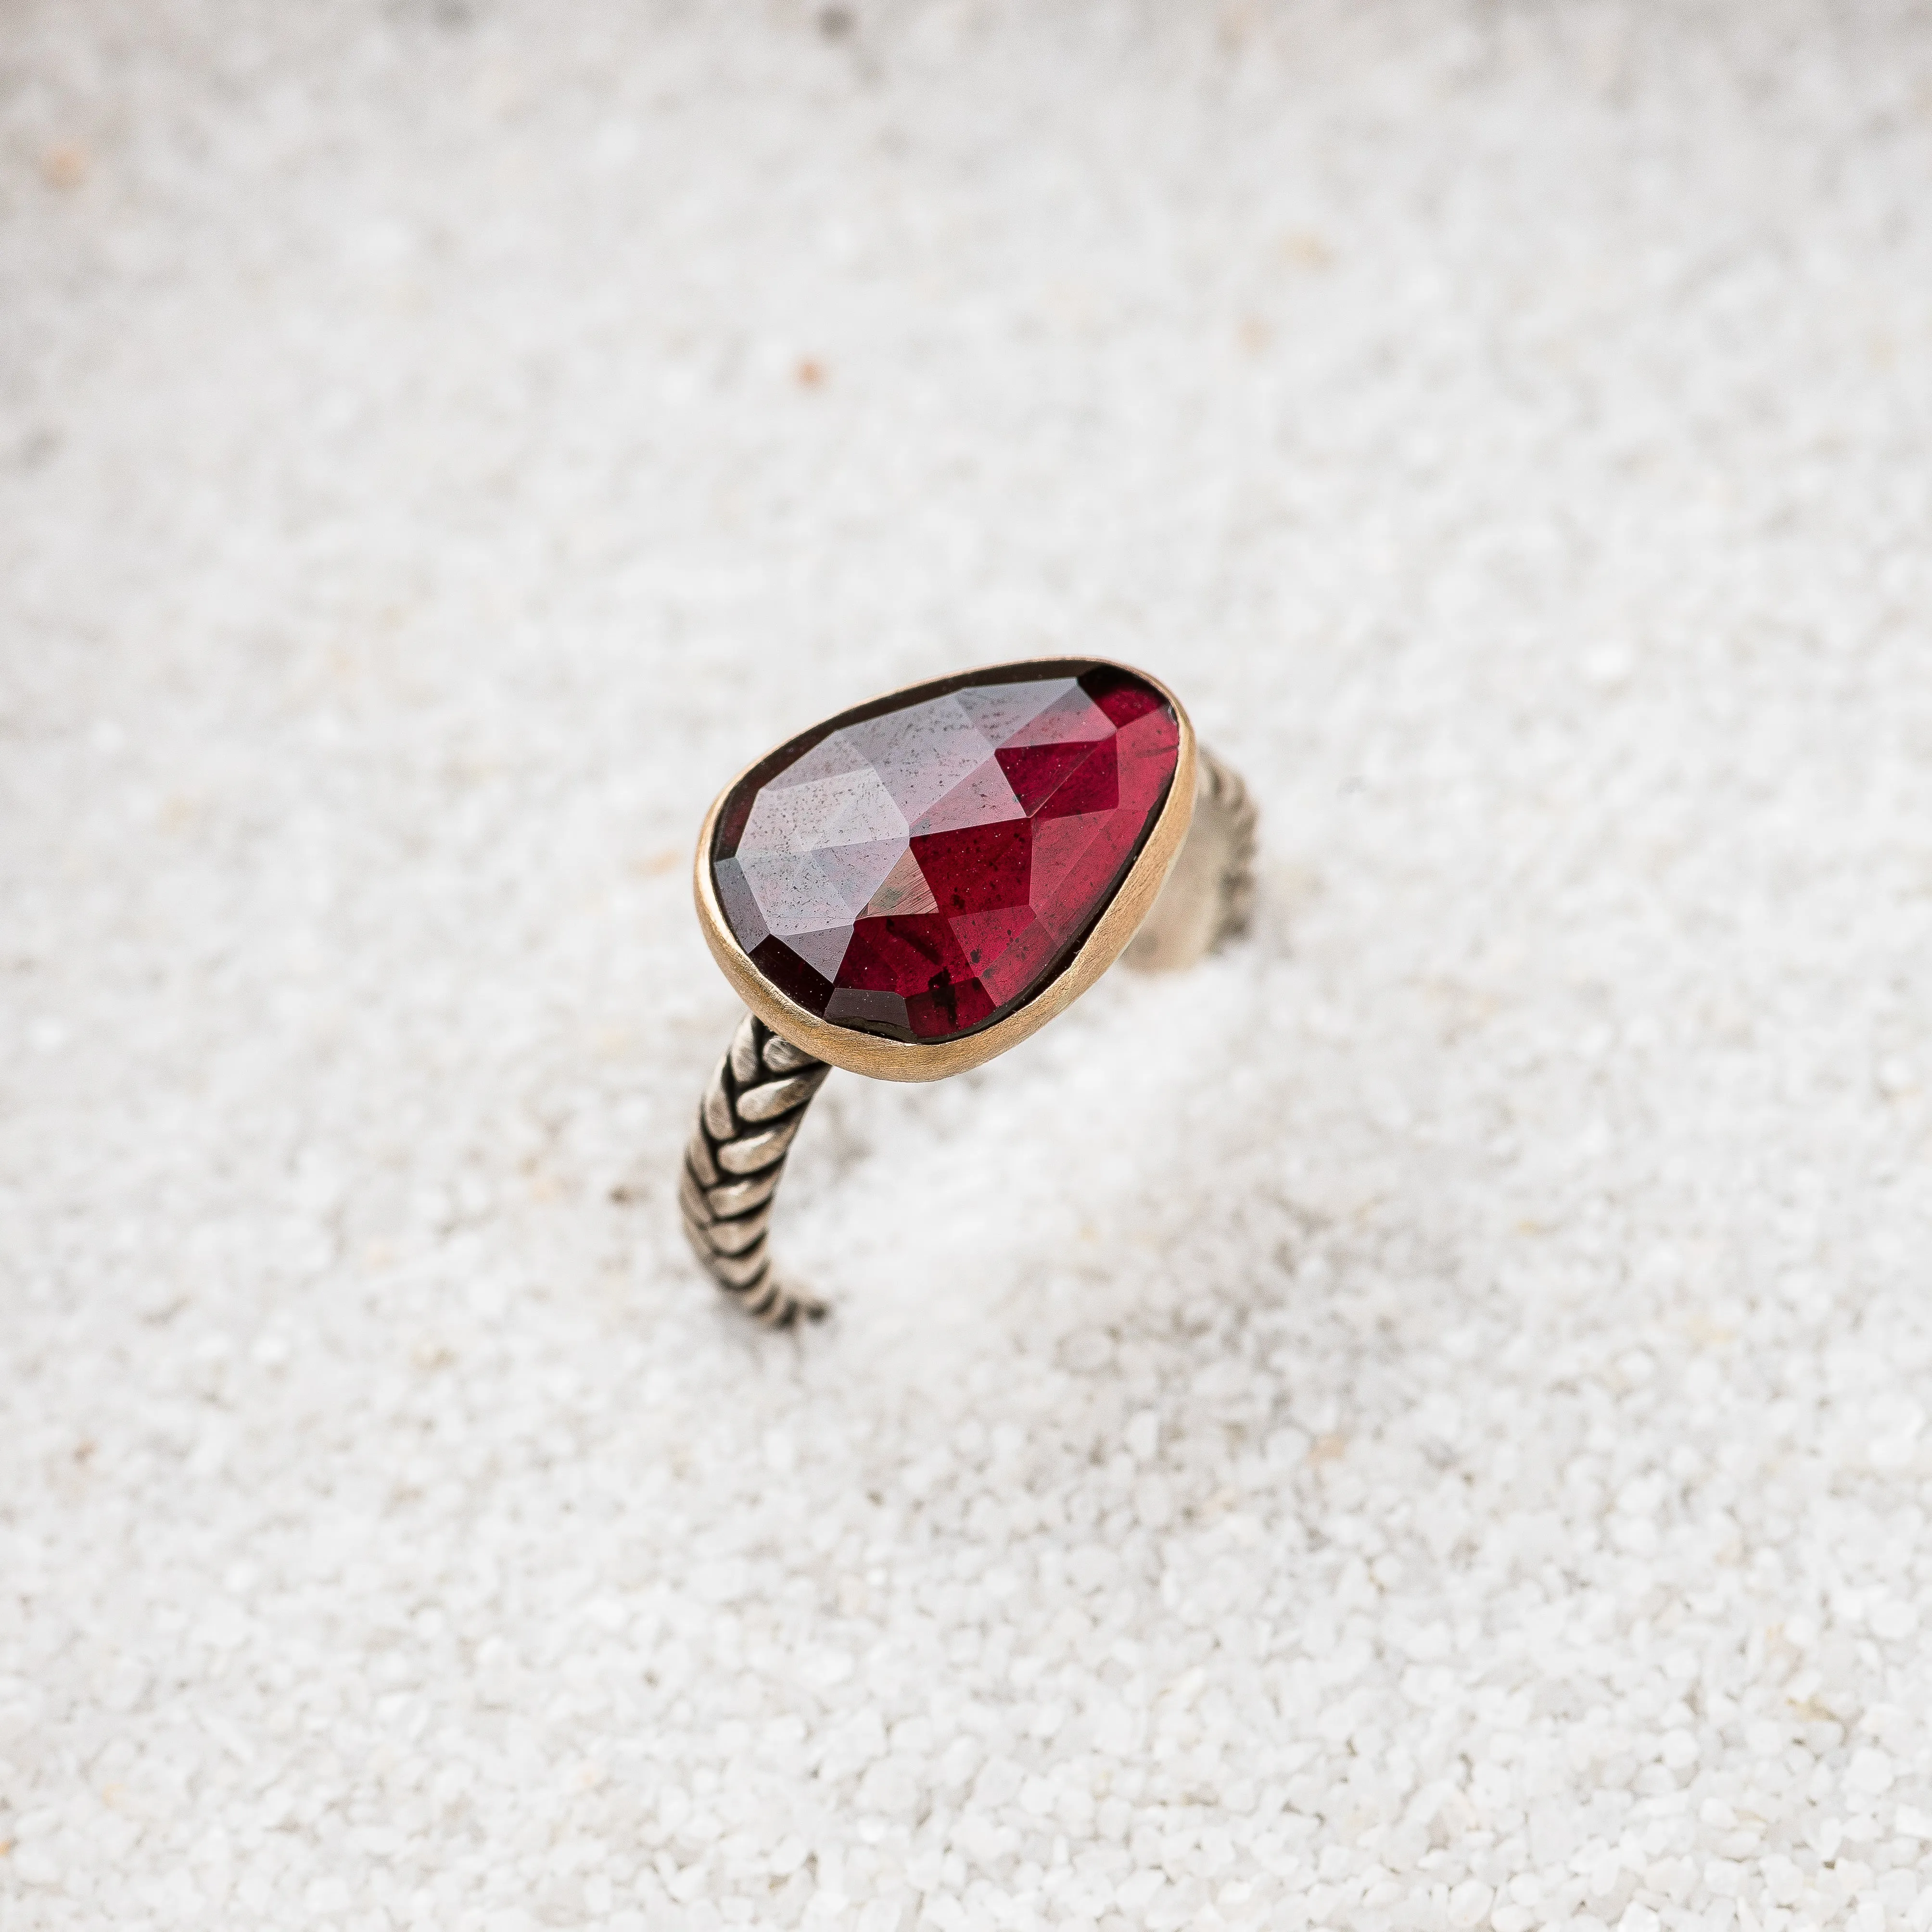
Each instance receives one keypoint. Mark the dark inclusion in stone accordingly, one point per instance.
(920, 871)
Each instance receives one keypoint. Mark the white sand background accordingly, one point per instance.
(1421, 1423)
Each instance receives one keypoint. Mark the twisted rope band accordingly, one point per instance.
(1210, 893)
(1223, 796)
(732, 1168)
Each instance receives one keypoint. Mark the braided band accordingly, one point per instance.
(732, 1168)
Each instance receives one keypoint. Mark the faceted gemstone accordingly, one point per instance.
(920, 870)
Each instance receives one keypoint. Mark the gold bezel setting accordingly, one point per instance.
(883, 1059)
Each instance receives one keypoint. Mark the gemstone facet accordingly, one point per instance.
(919, 869)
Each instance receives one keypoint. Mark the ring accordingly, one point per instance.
(911, 887)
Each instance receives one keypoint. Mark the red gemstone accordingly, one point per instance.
(921, 869)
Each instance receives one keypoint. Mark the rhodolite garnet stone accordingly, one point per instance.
(921, 867)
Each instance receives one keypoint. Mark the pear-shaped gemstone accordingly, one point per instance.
(919, 869)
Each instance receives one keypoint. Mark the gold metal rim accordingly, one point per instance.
(935, 1060)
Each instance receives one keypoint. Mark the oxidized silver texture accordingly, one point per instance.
(756, 1098)
(733, 1165)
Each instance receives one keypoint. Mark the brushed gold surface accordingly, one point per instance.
(935, 1060)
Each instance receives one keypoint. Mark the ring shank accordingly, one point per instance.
(734, 1162)
(1210, 892)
